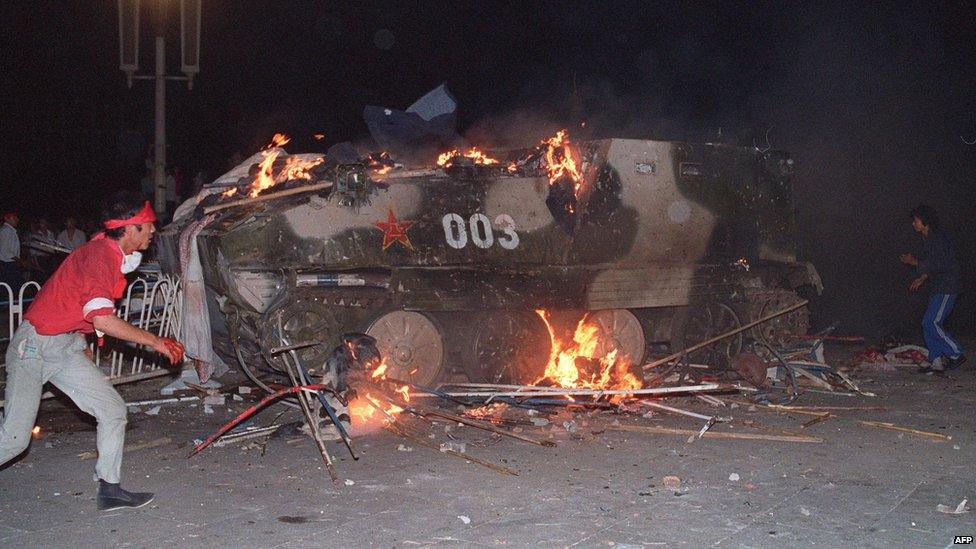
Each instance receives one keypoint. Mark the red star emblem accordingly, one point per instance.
(394, 231)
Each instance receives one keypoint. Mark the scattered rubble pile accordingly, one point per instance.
(546, 413)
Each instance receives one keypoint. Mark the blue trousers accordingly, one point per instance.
(937, 339)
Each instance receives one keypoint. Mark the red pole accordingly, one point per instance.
(251, 411)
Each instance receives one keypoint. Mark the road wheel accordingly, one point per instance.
(506, 347)
(622, 330)
(779, 331)
(697, 323)
(304, 320)
(412, 344)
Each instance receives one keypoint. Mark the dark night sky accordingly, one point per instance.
(870, 98)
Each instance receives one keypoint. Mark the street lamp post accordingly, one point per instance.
(159, 155)
(129, 63)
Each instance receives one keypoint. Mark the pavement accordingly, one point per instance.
(862, 486)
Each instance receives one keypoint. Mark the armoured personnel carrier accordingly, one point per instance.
(658, 243)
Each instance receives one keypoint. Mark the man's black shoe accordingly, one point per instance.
(112, 496)
(953, 363)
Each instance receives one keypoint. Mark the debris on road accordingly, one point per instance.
(823, 417)
(132, 447)
(672, 483)
(893, 427)
(458, 447)
(583, 410)
(162, 401)
(214, 400)
(713, 434)
(960, 509)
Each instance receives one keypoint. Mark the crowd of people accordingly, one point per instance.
(32, 250)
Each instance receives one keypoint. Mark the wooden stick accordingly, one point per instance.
(893, 427)
(265, 197)
(389, 417)
(132, 447)
(824, 417)
(162, 401)
(853, 386)
(775, 430)
(712, 434)
(831, 408)
(393, 427)
(685, 412)
(730, 333)
(544, 391)
(809, 410)
(711, 400)
(423, 412)
(816, 380)
(397, 427)
(484, 425)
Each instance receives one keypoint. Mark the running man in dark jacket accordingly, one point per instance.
(938, 268)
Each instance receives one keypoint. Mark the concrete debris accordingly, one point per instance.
(238, 398)
(464, 519)
(734, 477)
(570, 426)
(154, 411)
(244, 390)
(958, 510)
(402, 448)
(214, 400)
(804, 511)
(460, 447)
(350, 482)
(207, 409)
(539, 421)
(672, 483)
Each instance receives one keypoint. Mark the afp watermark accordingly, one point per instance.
(963, 540)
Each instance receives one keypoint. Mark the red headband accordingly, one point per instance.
(145, 215)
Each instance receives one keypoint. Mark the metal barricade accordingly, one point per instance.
(15, 308)
(153, 303)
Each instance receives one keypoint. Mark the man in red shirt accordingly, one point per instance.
(49, 345)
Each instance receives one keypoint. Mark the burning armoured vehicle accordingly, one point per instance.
(486, 266)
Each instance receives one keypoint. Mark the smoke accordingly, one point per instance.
(873, 120)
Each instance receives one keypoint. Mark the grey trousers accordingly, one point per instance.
(32, 361)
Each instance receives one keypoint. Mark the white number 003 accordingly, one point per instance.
(479, 229)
